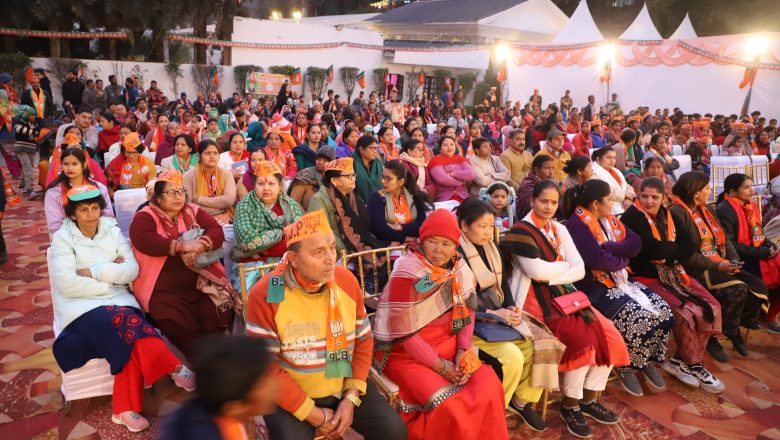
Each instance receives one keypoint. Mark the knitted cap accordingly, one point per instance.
(440, 223)
(553, 132)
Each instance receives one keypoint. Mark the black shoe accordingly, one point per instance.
(751, 325)
(770, 327)
(599, 413)
(575, 422)
(716, 350)
(529, 415)
(739, 344)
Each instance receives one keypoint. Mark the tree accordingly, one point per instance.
(282, 70)
(316, 77)
(349, 79)
(379, 78)
(16, 65)
(467, 80)
(174, 72)
(240, 73)
(412, 84)
(59, 68)
(203, 77)
(441, 75)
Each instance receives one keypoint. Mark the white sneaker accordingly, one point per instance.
(678, 369)
(708, 382)
(132, 420)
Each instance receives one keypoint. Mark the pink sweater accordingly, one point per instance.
(450, 177)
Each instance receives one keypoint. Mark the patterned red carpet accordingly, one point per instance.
(31, 406)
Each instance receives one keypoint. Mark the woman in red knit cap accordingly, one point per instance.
(424, 324)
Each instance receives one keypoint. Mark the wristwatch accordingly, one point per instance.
(354, 399)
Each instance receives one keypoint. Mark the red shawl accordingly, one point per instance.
(750, 233)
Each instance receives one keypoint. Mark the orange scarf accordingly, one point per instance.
(38, 101)
(209, 186)
(618, 229)
(277, 158)
(614, 173)
(551, 233)
(389, 155)
(439, 276)
(713, 239)
(337, 359)
(129, 170)
(753, 218)
(671, 235)
(157, 138)
(401, 210)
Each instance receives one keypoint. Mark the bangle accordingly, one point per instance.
(325, 414)
(444, 370)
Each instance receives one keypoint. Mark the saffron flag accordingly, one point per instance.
(361, 79)
(606, 73)
(421, 78)
(387, 79)
(296, 76)
(748, 77)
(501, 77)
(215, 76)
(330, 73)
(29, 75)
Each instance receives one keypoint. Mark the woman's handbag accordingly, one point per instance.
(571, 302)
(493, 328)
(205, 259)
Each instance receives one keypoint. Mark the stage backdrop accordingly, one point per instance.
(698, 75)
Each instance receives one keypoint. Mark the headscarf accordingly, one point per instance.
(25, 111)
(256, 136)
(224, 123)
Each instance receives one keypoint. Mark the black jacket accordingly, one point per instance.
(652, 249)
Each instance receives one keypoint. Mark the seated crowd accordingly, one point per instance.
(567, 258)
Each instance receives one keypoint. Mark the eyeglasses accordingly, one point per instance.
(387, 178)
(349, 176)
(175, 192)
(131, 153)
(372, 148)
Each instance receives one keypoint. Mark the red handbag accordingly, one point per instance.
(571, 302)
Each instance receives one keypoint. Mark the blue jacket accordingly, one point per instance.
(191, 421)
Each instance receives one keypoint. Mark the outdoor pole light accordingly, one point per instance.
(297, 16)
(501, 52)
(275, 15)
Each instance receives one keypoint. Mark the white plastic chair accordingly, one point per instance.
(677, 150)
(227, 247)
(126, 202)
(93, 379)
(715, 150)
(449, 205)
(571, 136)
(542, 144)
(685, 165)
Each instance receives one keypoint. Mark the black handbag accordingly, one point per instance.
(493, 328)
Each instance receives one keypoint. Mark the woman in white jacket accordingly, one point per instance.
(604, 169)
(91, 267)
(545, 264)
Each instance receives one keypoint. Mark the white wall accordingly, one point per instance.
(101, 69)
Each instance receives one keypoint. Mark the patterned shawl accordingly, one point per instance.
(257, 227)
(400, 314)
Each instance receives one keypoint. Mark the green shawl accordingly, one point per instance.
(176, 166)
(257, 228)
(368, 181)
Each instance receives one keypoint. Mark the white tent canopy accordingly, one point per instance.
(531, 20)
(581, 28)
(642, 28)
(685, 30)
